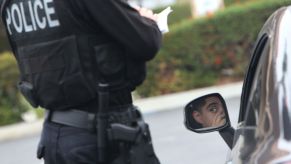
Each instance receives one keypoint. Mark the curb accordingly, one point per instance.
(179, 100)
(147, 106)
(20, 130)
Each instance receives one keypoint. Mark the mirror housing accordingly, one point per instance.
(206, 114)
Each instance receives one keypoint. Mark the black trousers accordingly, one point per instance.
(61, 144)
(69, 145)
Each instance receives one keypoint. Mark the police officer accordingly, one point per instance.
(70, 51)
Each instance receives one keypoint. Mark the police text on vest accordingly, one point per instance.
(31, 15)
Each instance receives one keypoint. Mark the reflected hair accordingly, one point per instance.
(195, 105)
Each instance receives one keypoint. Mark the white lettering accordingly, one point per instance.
(27, 27)
(49, 11)
(32, 15)
(41, 24)
(28, 16)
(8, 21)
(15, 10)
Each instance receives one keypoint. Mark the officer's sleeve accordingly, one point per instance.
(139, 35)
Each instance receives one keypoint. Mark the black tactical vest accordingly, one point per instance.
(61, 57)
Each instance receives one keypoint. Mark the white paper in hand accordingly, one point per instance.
(163, 20)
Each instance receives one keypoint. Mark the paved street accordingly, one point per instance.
(173, 143)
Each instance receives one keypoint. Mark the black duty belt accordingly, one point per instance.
(85, 120)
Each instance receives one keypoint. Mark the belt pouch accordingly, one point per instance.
(27, 90)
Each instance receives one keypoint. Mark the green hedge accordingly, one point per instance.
(11, 104)
(232, 2)
(197, 52)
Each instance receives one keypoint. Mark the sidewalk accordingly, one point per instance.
(147, 106)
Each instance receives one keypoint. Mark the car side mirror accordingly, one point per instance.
(207, 113)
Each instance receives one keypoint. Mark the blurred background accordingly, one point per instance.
(209, 43)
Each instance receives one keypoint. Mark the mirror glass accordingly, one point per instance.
(206, 113)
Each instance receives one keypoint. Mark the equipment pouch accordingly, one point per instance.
(110, 59)
(40, 151)
(55, 71)
(142, 152)
(41, 147)
(117, 68)
(135, 72)
(27, 90)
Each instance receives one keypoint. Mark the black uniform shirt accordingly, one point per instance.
(36, 27)
(139, 35)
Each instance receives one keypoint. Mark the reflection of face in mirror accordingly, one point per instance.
(209, 113)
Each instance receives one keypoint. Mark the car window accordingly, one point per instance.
(248, 84)
(251, 102)
(254, 98)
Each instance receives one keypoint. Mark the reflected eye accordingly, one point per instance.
(213, 109)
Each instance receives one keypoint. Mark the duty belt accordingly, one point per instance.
(85, 120)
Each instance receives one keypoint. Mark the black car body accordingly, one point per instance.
(263, 134)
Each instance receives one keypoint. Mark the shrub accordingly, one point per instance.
(196, 52)
(228, 3)
(11, 106)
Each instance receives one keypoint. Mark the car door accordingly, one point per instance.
(256, 138)
(245, 139)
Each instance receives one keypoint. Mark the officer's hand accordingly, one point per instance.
(147, 13)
